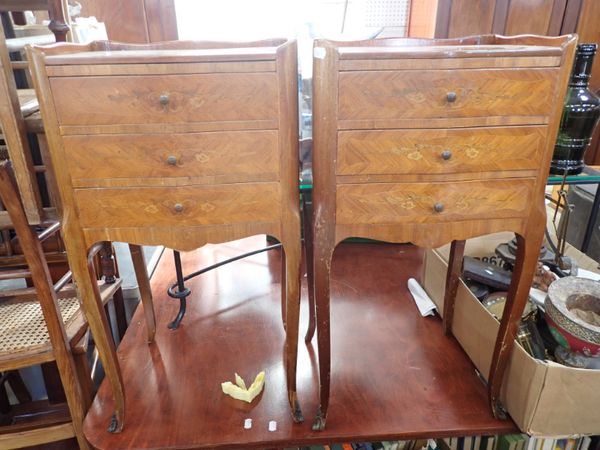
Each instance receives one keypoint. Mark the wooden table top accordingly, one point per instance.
(394, 374)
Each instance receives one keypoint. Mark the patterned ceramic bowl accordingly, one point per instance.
(573, 314)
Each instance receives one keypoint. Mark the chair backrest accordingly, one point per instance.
(13, 129)
(38, 268)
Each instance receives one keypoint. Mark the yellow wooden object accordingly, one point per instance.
(239, 390)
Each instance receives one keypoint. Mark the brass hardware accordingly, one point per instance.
(451, 97)
(178, 207)
(172, 160)
(446, 155)
(164, 99)
(438, 207)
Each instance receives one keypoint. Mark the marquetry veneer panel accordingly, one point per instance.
(426, 151)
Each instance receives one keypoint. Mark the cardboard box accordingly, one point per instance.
(542, 397)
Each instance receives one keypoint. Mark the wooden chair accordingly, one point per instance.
(43, 324)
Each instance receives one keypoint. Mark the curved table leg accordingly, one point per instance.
(292, 248)
(310, 271)
(322, 272)
(457, 251)
(284, 273)
(528, 251)
(141, 273)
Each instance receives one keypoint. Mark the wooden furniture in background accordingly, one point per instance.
(58, 24)
(43, 324)
(135, 21)
(176, 144)
(431, 142)
(422, 18)
(457, 18)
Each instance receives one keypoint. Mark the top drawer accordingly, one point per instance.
(428, 94)
(107, 100)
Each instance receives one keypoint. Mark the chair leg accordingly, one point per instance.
(292, 249)
(322, 273)
(457, 251)
(141, 274)
(5, 406)
(100, 329)
(528, 251)
(109, 272)
(18, 386)
(74, 396)
(120, 314)
(84, 372)
(52, 381)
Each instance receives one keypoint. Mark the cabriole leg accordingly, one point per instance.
(457, 251)
(528, 251)
(322, 272)
(291, 254)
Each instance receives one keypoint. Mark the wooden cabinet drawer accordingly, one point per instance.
(180, 206)
(165, 98)
(218, 156)
(439, 151)
(386, 203)
(422, 94)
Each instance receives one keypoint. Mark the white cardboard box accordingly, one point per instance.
(542, 397)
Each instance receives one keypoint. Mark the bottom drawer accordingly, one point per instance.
(183, 206)
(381, 203)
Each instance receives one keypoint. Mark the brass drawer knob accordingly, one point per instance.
(438, 207)
(178, 207)
(171, 160)
(451, 97)
(446, 155)
(164, 99)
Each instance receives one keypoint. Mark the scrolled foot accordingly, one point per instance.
(499, 410)
(116, 425)
(297, 412)
(319, 423)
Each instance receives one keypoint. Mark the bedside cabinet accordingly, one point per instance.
(177, 144)
(429, 142)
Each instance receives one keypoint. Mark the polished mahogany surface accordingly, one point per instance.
(395, 374)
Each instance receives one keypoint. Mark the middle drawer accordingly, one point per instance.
(439, 151)
(227, 156)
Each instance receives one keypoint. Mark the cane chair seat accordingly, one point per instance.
(24, 330)
(24, 326)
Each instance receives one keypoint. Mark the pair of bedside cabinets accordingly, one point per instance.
(185, 143)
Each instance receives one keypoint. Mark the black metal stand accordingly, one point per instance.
(589, 229)
(181, 294)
